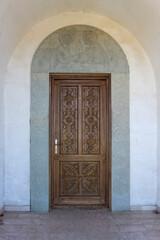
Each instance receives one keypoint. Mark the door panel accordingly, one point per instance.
(90, 120)
(68, 120)
(78, 141)
(80, 178)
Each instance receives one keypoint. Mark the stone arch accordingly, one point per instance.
(142, 91)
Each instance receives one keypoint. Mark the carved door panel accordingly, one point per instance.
(79, 141)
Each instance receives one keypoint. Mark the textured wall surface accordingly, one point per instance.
(79, 49)
(1, 151)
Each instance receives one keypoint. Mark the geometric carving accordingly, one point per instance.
(79, 178)
(68, 120)
(90, 172)
(70, 169)
(90, 169)
(77, 129)
(91, 128)
(90, 186)
(70, 187)
(69, 178)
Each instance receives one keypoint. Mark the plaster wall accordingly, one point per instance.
(158, 135)
(143, 169)
(1, 149)
(127, 13)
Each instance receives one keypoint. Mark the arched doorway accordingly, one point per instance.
(79, 49)
(142, 106)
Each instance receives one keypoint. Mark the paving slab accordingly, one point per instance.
(80, 224)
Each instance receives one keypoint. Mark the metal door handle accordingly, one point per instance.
(56, 142)
(56, 146)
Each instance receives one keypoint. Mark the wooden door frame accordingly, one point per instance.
(76, 76)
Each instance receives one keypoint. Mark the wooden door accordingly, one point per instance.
(80, 132)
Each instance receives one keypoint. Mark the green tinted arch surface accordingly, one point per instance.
(79, 49)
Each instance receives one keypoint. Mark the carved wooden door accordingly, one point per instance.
(79, 139)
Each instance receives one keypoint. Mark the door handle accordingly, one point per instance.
(56, 142)
(56, 145)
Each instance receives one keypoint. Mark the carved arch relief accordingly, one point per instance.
(75, 47)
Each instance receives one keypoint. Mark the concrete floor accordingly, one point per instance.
(80, 224)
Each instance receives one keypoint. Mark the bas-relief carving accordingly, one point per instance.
(85, 49)
(79, 178)
(69, 120)
(91, 117)
(82, 49)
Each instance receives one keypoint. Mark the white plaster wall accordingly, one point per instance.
(1, 150)
(143, 138)
(143, 123)
(17, 171)
(141, 17)
(158, 131)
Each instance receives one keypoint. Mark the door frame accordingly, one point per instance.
(80, 76)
